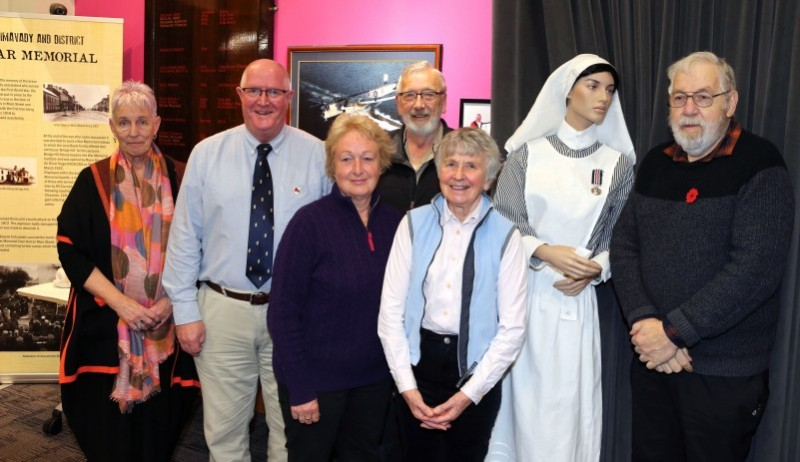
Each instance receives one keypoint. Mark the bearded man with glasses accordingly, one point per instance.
(421, 100)
(698, 254)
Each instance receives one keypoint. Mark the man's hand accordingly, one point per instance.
(191, 337)
(684, 359)
(307, 413)
(421, 411)
(680, 362)
(447, 412)
(652, 343)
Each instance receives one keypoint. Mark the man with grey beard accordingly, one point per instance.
(698, 254)
(411, 180)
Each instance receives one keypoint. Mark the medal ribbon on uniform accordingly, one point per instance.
(597, 181)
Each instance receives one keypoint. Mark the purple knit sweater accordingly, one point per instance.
(326, 291)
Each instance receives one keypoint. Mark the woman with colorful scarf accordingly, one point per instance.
(126, 386)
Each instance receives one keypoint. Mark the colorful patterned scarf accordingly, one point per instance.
(140, 214)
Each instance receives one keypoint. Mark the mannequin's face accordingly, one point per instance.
(589, 99)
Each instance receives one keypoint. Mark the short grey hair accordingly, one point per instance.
(472, 142)
(727, 78)
(133, 93)
(421, 66)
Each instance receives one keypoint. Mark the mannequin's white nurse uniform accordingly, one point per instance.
(552, 402)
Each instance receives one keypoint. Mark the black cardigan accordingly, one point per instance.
(89, 341)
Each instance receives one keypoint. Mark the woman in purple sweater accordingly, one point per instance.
(334, 384)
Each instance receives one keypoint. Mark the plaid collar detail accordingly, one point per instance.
(724, 148)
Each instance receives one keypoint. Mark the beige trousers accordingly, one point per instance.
(237, 351)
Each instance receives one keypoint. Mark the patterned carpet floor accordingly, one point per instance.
(24, 408)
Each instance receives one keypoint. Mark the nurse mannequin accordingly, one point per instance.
(564, 185)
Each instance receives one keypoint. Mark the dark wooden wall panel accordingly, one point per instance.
(195, 52)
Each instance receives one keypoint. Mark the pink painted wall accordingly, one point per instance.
(132, 11)
(463, 27)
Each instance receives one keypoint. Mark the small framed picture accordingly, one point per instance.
(476, 113)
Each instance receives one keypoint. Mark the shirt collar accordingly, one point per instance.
(723, 149)
(574, 139)
(473, 217)
(276, 143)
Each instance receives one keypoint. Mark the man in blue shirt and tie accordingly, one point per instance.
(240, 190)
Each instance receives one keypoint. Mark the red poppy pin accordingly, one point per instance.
(691, 196)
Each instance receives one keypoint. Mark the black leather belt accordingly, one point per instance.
(255, 298)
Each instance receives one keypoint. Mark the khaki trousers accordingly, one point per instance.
(237, 351)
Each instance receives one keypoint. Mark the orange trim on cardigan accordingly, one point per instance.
(99, 178)
(62, 375)
(186, 383)
(176, 379)
(68, 335)
(84, 369)
(64, 239)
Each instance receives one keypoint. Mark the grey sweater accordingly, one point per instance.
(712, 266)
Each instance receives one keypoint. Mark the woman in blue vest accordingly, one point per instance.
(449, 328)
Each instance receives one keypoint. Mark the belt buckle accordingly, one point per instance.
(259, 298)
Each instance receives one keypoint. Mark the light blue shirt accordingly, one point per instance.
(208, 239)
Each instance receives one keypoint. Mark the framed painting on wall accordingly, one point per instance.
(476, 113)
(329, 81)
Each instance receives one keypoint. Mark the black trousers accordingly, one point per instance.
(437, 376)
(350, 426)
(693, 417)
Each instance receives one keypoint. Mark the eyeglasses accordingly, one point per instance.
(702, 99)
(255, 93)
(428, 96)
